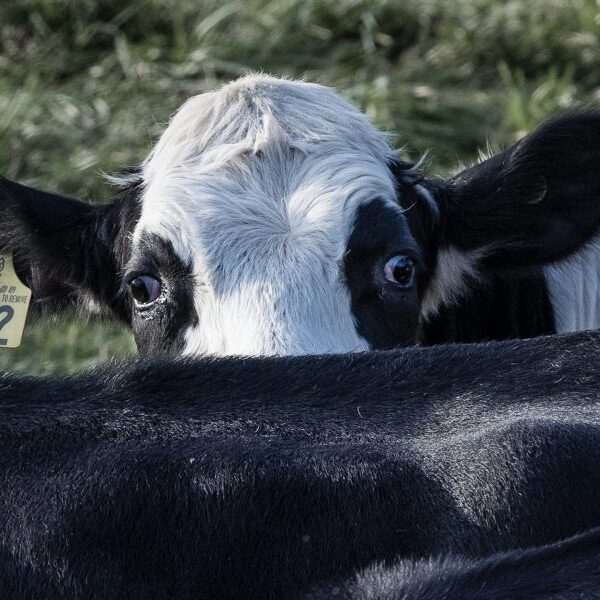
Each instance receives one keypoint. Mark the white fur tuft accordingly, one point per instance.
(454, 272)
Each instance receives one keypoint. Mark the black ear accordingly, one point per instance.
(535, 203)
(68, 252)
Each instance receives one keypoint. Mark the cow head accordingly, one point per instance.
(273, 218)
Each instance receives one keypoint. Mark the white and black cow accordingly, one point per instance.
(272, 218)
(265, 478)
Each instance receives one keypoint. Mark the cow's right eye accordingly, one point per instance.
(400, 270)
(144, 289)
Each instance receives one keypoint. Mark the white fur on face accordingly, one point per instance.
(257, 186)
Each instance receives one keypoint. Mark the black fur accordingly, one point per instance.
(264, 478)
(565, 570)
(534, 203)
(499, 309)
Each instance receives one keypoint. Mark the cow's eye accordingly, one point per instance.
(400, 270)
(144, 289)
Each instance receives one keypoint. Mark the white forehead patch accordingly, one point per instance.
(257, 186)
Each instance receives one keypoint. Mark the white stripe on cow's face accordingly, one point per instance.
(258, 186)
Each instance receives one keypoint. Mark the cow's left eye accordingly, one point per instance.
(144, 289)
(400, 270)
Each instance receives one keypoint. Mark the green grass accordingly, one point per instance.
(86, 85)
(66, 346)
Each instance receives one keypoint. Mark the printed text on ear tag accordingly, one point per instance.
(14, 302)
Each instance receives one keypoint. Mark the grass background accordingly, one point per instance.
(86, 86)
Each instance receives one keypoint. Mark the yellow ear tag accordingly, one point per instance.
(14, 302)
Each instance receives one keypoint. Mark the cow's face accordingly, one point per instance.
(270, 224)
(272, 218)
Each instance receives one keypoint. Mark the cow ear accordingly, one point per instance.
(534, 203)
(66, 251)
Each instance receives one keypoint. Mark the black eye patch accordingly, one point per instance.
(160, 327)
(386, 314)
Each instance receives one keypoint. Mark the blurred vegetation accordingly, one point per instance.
(86, 85)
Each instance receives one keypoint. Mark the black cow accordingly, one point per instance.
(269, 477)
(273, 218)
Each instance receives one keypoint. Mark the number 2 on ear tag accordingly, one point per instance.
(14, 302)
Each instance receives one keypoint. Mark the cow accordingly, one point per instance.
(270, 477)
(272, 218)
